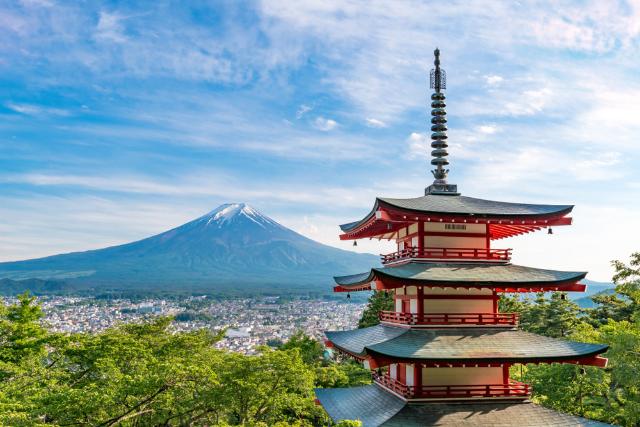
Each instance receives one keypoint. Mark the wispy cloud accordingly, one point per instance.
(110, 28)
(375, 123)
(493, 79)
(35, 110)
(324, 124)
(302, 110)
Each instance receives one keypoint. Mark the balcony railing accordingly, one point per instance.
(427, 319)
(465, 254)
(513, 389)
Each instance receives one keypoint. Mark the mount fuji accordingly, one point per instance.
(232, 248)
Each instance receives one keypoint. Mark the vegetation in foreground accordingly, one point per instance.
(145, 375)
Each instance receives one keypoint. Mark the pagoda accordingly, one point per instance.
(442, 356)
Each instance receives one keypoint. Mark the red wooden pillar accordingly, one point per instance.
(496, 297)
(488, 237)
(505, 373)
(420, 238)
(417, 378)
(505, 378)
(420, 304)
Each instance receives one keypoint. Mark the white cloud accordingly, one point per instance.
(226, 187)
(596, 166)
(493, 79)
(418, 145)
(324, 124)
(302, 110)
(487, 129)
(375, 123)
(530, 102)
(36, 110)
(110, 28)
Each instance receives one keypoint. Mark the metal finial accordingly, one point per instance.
(439, 132)
(438, 76)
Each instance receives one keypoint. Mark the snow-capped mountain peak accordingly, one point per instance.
(230, 212)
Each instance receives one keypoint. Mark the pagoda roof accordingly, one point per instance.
(453, 208)
(459, 345)
(374, 406)
(464, 273)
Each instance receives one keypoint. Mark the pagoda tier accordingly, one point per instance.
(382, 345)
(499, 277)
(375, 406)
(496, 219)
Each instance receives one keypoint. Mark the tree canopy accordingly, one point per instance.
(145, 374)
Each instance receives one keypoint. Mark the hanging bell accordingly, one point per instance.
(348, 295)
(355, 243)
(550, 231)
(563, 297)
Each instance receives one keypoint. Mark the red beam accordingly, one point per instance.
(450, 296)
(356, 288)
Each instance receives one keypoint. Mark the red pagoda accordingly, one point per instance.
(442, 356)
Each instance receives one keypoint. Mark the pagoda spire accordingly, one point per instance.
(439, 133)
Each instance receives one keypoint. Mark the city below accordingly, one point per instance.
(249, 322)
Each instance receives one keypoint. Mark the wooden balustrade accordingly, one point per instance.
(448, 254)
(427, 319)
(513, 389)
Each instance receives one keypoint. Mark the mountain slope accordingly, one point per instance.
(232, 246)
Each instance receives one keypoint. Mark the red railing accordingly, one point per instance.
(513, 389)
(449, 254)
(449, 318)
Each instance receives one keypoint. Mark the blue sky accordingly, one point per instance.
(119, 121)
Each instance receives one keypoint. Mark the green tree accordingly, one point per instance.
(270, 387)
(624, 304)
(21, 335)
(347, 373)
(310, 348)
(132, 374)
(378, 301)
(23, 343)
(554, 316)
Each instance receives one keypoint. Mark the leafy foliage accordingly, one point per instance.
(310, 349)
(378, 301)
(144, 374)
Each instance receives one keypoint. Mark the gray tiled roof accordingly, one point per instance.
(463, 205)
(370, 404)
(376, 407)
(459, 344)
(476, 273)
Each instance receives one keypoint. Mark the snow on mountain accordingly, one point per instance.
(231, 211)
(232, 247)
